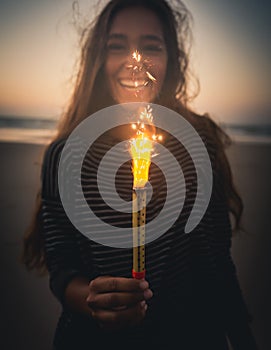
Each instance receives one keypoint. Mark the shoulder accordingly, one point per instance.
(69, 146)
(49, 168)
(53, 151)
(216, 139)
(209, 129)
(52, 155)
(66, 152)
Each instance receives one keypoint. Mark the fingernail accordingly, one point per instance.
(143, 303)
(148, 294)
(143, 285)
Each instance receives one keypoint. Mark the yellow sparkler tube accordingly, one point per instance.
(139, 220)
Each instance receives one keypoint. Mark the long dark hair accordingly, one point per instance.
(91, 94)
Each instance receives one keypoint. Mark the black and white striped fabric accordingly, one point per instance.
(196, 293)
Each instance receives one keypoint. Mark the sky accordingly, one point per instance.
(231, 57)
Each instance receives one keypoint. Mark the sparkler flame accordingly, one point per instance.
(141, 148)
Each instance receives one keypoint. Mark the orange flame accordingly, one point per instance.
(141, 148)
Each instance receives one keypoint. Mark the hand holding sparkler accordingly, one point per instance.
(118, 302)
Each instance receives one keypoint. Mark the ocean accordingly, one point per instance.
(42, 130)
(27, 129)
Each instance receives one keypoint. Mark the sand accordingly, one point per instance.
(29, 312)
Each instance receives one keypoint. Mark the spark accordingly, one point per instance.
(137, 56)
(150, 76)
(141, 65)
(144, 126)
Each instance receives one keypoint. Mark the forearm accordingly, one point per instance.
(76, 294)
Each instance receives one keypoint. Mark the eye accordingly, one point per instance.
(115, 47)
(151, 49)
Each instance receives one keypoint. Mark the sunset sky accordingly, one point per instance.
(231, 57)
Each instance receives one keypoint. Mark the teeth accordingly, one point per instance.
(133, 83)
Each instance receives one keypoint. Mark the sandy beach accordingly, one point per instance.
(29, 312)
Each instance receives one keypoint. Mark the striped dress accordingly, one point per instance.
(197, 300)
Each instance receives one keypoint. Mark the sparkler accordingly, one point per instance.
(141, 148)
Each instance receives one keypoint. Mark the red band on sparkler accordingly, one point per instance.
(139, 275)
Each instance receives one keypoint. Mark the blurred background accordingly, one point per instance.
(231, 57)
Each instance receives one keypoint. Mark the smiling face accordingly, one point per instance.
(136, 60)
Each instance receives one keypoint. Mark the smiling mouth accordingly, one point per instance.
(133, 84)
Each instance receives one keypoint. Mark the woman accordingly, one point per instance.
(192, 297)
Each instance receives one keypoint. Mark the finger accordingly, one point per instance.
(122, 318)
(113, 300)
(117, 284)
